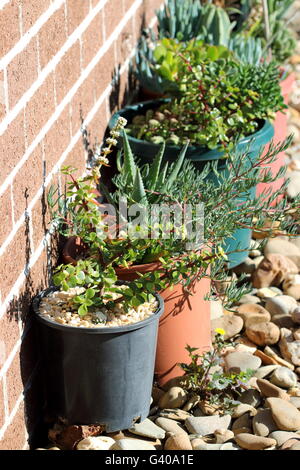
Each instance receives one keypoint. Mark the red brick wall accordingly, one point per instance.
(55, 55)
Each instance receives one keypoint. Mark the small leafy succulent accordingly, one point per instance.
(217, 388)
(214, 97)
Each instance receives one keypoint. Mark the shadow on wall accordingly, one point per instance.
(20, 310)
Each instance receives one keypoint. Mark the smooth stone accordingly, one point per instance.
(284, 377)
(243, 424)
(216, 309)
(264, 371)
(253, 313)
(289, 348)
(279, 360)
(226, 446)
(283, 321)
(266, 360)
(295, 401)
(272, 270)
(177, 415)
(231, 324)
(205, 425)
(249, 299)
(247, 267)
(148, 429)
(191, 403)
(285, 415)
(179, 381)
(263, 333)
(281, 305)
(175, 397)
(251, 442)
(281, 246)
(254, 254)
(157, 393)
(169, 425)
(178, 442)
(223, 435)
(95, 443)
(296, 334)
(295, 446)
(132, 444)
(293, 187)
(266, 293)
(291, 286)
(296, 315)
(241, 362)
(283, 436)
(250, 397)
(243, 408)
(198, 444)
(263, 423)
(270, 390)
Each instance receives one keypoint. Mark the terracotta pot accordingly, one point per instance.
(280, 133)
(185, 321)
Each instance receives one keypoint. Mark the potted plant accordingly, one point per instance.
(97, 336)
(233, 112)
(163, 261)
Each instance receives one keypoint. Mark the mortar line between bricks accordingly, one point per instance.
(30, 149)
(11, 416)
(31, 33)
(49, 67)
(10, 358)
(3, 3)
(35, 256)
(59, 109)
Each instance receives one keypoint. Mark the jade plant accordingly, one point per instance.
(214, 97)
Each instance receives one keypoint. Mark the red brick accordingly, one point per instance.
(22, 72)
(125, 43)
(67, 71)
(84, 100)
(9, 26)
(13, 260)
(14, 382)
(38, 273)
(150, 7)
(2, 96)
(40, 218)
(15, 435)
(2, 412)
(92, 39)
(9, 333)
(57, 139)
(98, 124)
(77, 10)
(103, 72)
(76, 159)
(5, 214)
(31, 11)
(27, 181)
(52, 36)
(12, 146)
(113, 14)
(39, 109)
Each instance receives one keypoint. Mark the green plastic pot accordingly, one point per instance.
(200, 155)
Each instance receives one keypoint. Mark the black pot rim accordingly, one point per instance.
(99, 330)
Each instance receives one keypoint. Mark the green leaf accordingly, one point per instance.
(90, 293)
(82, 310)
(155, 168)
(176, 169)
(138, 193)
(129, 166)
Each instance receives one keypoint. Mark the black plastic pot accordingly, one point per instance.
(98, 375)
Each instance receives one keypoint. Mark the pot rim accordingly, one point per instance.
(264, 129)
(99, 330)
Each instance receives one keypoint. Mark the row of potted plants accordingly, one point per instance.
(134, 262)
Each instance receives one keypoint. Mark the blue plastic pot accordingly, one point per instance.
(200, 155)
